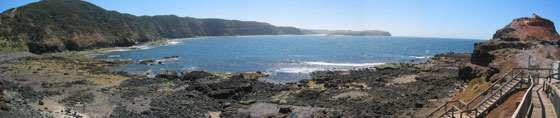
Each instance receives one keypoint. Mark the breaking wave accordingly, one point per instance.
(341, 64)
(420, 57)
(298, 70)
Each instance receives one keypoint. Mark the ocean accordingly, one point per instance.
(287, 58)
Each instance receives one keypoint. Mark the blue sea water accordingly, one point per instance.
(288, 58)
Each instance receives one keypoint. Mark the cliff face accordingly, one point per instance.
(512, 46)
(58, 25)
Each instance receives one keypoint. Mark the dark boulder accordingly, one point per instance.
(285, 110)
(171, 57)
(148, 61)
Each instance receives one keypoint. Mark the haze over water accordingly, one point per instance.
(288, 58)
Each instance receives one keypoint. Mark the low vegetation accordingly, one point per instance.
(60, 25)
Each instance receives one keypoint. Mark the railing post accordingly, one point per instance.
(452, 113)
(445, 108)
(512, 71)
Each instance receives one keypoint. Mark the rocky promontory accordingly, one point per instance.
(512, 46)
(525, 42)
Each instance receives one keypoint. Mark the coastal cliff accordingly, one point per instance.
(60, 25)
(512, 45)
(528, 39)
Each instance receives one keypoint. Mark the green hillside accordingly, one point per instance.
(59, 25)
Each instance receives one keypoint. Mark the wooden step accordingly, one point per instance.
(511, 85)
(491, 100)
(495, 98)
(487, 104)
(482, 107)
(471, 115)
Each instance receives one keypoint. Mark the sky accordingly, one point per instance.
(473, 19)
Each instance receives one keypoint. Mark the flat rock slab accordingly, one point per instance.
(265, 110)
(403, 79)
(351, 95)
(15, 55)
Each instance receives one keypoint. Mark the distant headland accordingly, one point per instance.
(66, 25)
(349, 32)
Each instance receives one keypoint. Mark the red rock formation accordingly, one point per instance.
(509, 46)
(528, 29)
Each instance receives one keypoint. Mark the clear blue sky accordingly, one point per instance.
(477, 19)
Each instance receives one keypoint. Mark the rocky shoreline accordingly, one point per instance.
(72, 84)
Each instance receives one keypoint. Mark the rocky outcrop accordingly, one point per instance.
(528, 29)
(506, 49)
(470, 71)
(483, 55)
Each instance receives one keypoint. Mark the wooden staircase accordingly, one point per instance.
(488, 99)
(495, 97)
(488, 103)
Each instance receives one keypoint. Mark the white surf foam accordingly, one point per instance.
(140, 47)
(173, 42)
(114, 56)
(298, 70)
(420, 57)
(143, 47)
(342, 64)
(119, 50)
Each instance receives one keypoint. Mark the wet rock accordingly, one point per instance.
(171, 57)
(419, 105)
(387, 66)
(168, 74)
(225, 89)
(285, 110)
(3, 105)
(148, 62)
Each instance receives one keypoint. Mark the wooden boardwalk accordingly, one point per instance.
(542, 106)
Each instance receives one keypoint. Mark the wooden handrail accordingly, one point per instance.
(472, 100)
(525, 101)
(495, 92)
(485, 92)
